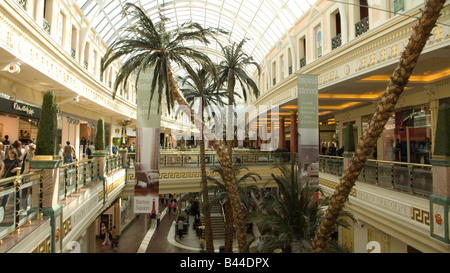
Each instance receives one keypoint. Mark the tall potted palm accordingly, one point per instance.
(219, 187)
(151, 46)
(399, 79)
(231, 69)
(201, 85)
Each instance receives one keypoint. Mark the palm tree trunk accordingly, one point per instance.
(225, 162)
(230, 90)
(399, 79)
(209, 239)
(229, 228)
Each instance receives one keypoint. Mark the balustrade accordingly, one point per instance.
(402, 176)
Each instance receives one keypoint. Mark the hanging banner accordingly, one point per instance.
(146, 190)
(308, 128)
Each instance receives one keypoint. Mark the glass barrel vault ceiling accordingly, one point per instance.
(264, 22)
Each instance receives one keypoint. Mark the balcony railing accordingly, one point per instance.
(362, 26)
(336, 41)
(174, 158)
(22, 196)
(402, 176)
(46, 25)
(22, 3)
(24, 192)
(302, 61)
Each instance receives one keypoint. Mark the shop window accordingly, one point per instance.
(407, 135)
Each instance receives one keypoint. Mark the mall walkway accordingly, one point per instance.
(136, 236)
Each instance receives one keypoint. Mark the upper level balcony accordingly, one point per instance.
(393, 191)
(362, 26)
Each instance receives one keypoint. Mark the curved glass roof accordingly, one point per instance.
(264, 22)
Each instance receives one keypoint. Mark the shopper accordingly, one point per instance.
(180, 228)
(9, 168)
(18, 146)
(2, 153)
(6, 141)
(169, 206)
(69, 153)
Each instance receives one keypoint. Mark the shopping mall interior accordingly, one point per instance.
(306, 80)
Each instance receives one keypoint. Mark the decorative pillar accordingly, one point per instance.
(281, 139)
(294, 134)
(440, 199)
(349, 145)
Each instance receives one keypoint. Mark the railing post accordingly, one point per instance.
(17, 183)
(393, 175)
(65, 182)
(411, 178)
(376, 173)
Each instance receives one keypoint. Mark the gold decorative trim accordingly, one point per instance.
(420, 215)
(333, 185)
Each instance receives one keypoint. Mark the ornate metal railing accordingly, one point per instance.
(22, 3)
(174, 158)
(408, 177)
(362, 26)
(302, 61)
(21, 195)
(46, 25)
(336, 41)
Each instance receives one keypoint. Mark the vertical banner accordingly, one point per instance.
(308, 128)
(146, 190)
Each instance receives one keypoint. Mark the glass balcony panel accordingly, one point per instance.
(385, 174)
(370, 175)
(7, 210)
(27, 208)
(423, 180)
(401, 177)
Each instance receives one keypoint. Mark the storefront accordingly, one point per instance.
(408, 134)
(18, 120)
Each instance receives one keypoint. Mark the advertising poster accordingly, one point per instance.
(308, 128)
(146, 189)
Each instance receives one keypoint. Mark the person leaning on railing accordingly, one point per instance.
(10, 166)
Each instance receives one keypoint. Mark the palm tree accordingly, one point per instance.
(202, 85)
(146, 45)
(288, 221)
(246, 192)
(232, 68)
(420, 33)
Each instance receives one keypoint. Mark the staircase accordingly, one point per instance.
(217, 219)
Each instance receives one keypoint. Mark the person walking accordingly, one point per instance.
(69, 153)
(174, 206)
(169, 206)
(158, 219)
(180, 228)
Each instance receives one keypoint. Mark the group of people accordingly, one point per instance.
(14, 160)
(109, 236)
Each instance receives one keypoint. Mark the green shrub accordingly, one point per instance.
(47, 135)
(100, 137)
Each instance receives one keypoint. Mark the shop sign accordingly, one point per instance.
(20, 108)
